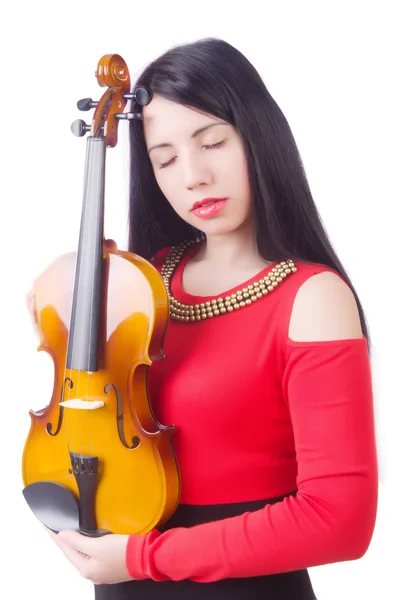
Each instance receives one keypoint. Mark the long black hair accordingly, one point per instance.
(212, 76)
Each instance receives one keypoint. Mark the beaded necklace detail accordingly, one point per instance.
(220, 306)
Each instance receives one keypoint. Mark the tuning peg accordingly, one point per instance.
(141, 95)
(128, 116)
(86, 104)
(80, 128)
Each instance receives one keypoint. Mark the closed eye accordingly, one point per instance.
(208, 147)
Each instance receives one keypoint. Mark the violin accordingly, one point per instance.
(96, 460)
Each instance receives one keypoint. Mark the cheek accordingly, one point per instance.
(238, 174)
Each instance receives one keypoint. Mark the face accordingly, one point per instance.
(192, 166)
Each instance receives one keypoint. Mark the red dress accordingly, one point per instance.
(275, 441)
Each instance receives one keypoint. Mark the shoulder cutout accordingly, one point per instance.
(324, 309)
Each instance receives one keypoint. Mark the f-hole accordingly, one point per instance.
(60, 418)
(120, 418)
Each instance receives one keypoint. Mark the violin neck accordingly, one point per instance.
(82, 352)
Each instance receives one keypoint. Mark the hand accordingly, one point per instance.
(31, 306)
(30, 297)
(101, 560)
(30, 303)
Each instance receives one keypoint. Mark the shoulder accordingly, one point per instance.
(324, 308)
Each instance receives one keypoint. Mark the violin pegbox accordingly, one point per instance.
(112, 72)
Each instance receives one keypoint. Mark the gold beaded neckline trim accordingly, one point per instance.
(220, 306)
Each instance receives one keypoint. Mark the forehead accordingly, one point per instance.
(163, 115)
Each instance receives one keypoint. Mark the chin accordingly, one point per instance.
(225, 228)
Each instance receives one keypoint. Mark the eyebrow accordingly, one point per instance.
(195, 134)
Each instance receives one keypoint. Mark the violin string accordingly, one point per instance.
(87, 374)
(92, 159)
(91, 448)
(87, 418)
(77, 372)
(88, 185)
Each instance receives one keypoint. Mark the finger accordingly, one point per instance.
(78, 559)
(61, 540)
(29, 297)
(33, 313)
(31, 305)
(110, 244)
(77, 541)
(51, 533)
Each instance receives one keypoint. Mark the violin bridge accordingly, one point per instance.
(82, 404)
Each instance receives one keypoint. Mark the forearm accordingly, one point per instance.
(332, 524)
(329, 394)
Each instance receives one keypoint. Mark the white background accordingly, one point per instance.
(330, 67)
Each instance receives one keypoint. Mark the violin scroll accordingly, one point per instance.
(112, 72)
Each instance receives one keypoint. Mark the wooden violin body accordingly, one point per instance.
(96, 459)
(137, 487)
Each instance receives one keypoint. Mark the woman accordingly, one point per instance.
(267, 374)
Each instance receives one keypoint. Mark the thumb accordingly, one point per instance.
(76, 540)
(110, 244)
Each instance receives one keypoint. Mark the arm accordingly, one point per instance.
(327, 386)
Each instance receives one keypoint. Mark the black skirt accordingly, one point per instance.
(294, 585)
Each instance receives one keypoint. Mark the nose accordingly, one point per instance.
(196, 171)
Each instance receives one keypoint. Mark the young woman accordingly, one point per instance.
(267, 371)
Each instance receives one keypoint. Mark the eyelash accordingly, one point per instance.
(209, 147)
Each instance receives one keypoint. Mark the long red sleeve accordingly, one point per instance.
(327, 387)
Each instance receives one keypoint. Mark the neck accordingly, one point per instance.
(236, 248)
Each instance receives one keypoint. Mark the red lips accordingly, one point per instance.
(205, 201)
